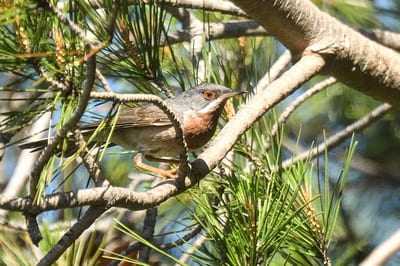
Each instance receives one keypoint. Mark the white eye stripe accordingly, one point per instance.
(211, 106)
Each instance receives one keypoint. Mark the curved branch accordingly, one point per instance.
(122, 197)
(224, 7)
(76, 115)
(388, 38)
(264, 100)
(275, 71)
(98, 196)
(384, 251)
(219, 30)
(353, 59)
(341, 135)
(303, 70)
(299, 100)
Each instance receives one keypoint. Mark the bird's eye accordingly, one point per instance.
(208, 95)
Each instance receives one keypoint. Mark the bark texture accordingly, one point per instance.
(351, 57)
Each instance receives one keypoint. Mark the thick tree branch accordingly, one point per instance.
(122, 197)
(384, 251)
(353, 59)
(265, 99)
(387, 38)
(224, 7)
(219, 30)
(99, 196)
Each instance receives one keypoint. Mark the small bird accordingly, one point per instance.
(148, 130)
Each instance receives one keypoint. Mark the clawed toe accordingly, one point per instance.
(165, 174)
(170, 174)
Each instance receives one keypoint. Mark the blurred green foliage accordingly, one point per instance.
(34, 41)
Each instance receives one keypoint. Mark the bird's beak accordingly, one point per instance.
(232, 94)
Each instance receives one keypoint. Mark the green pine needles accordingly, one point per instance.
(257, 217)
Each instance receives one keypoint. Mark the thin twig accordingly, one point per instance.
(61, 86)
(48, 150)
(76, 115)
(219, 30)
(224, 7)
(89, 162)
(195, 246)
(299, 100)
(341, 135)
(275, 71)
(71, 235)
(110, 31)
(112, 19)
(103, 81)
(148, 233)
(71, 25)
(183, 240)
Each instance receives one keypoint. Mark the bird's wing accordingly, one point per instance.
(142, 116)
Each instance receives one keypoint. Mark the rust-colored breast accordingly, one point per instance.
(198, 129)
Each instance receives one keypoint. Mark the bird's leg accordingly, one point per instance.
(166, 174)
(160, 160)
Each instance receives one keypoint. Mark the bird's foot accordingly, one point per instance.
(170, 174)
(164, 174)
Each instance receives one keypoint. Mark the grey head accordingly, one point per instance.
(204, 98)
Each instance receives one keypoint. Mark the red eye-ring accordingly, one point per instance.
(209, 95)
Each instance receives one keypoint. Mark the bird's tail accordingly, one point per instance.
(68, 150)
(35, 145)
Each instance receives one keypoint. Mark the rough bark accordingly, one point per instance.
(352, 58)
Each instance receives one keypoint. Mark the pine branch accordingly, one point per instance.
(338, 138)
